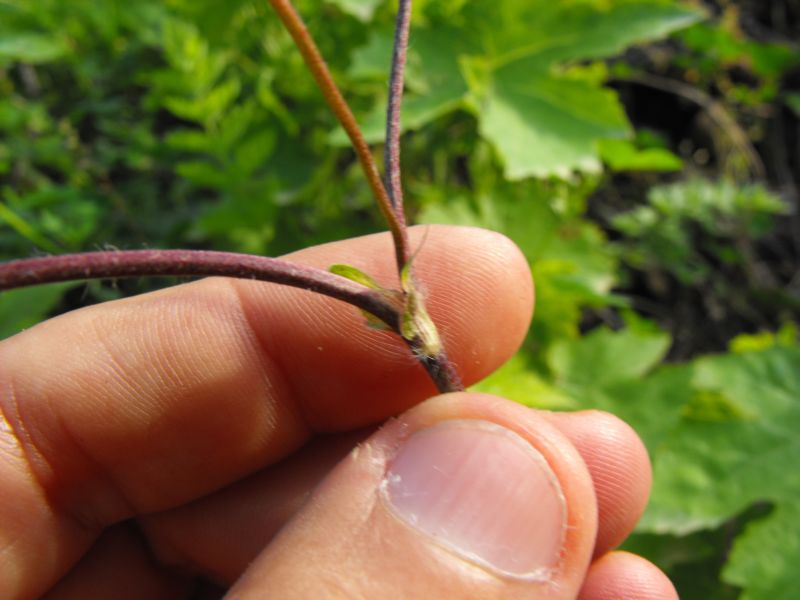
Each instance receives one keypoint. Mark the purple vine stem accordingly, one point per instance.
(204, 263)
(192, 263)
(393, 111)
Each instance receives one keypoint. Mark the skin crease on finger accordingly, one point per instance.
(132, 422)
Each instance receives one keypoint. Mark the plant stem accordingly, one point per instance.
(390, 202)
(392, 151)
(442, 371)
(316, 64)
(192, 263)
(202, 263)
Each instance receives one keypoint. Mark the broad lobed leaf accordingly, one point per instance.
(509, 71)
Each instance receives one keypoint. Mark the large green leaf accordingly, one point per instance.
(582, 29)
(723, 436)
(506, 62)
(570, 258)
(606, 357)
(545, 123)
(737, 444)
(764, 558)
(517, 381)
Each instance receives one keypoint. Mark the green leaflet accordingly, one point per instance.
(605, 357)
(30, 47)
(354, 274)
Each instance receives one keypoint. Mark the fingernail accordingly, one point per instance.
(483, 492)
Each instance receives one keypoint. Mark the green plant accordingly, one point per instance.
(401, 310)
(191, 123)
(660, 234)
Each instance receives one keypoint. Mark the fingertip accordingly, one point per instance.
(624, 576)
(478, 290)
(485, 305)
(620, 468)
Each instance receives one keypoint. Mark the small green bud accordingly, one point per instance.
(416, 322)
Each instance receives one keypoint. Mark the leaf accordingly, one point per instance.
(189, 140)
(254, 151)
(530, 221)
(542, 119)
(361, 9)
(707, 471)
(354, 274)
(244, 216)
(589, 29)
(517, 381)
(23, 308)
(623, 155)
(691, 562)
(604, 357)
(237, 123)
(764, 556)
(570, 258)
(544, 126)
(220, 98)
(29, 47)
(206, 109)
(652, 405)
(202, 173)
(25, 229)
(793, 102)
(436, 85)
(542, 122)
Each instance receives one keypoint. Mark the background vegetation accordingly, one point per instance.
(644, 154)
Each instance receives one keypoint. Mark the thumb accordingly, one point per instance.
(466, 495)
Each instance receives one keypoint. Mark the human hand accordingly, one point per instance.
(153, 442)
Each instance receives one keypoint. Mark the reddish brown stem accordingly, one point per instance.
(201, 263)
(192, 263)
(316, 64)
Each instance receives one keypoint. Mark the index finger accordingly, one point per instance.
(139, 405)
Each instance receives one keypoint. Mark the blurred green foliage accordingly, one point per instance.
(658, 234)
(177, 123)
